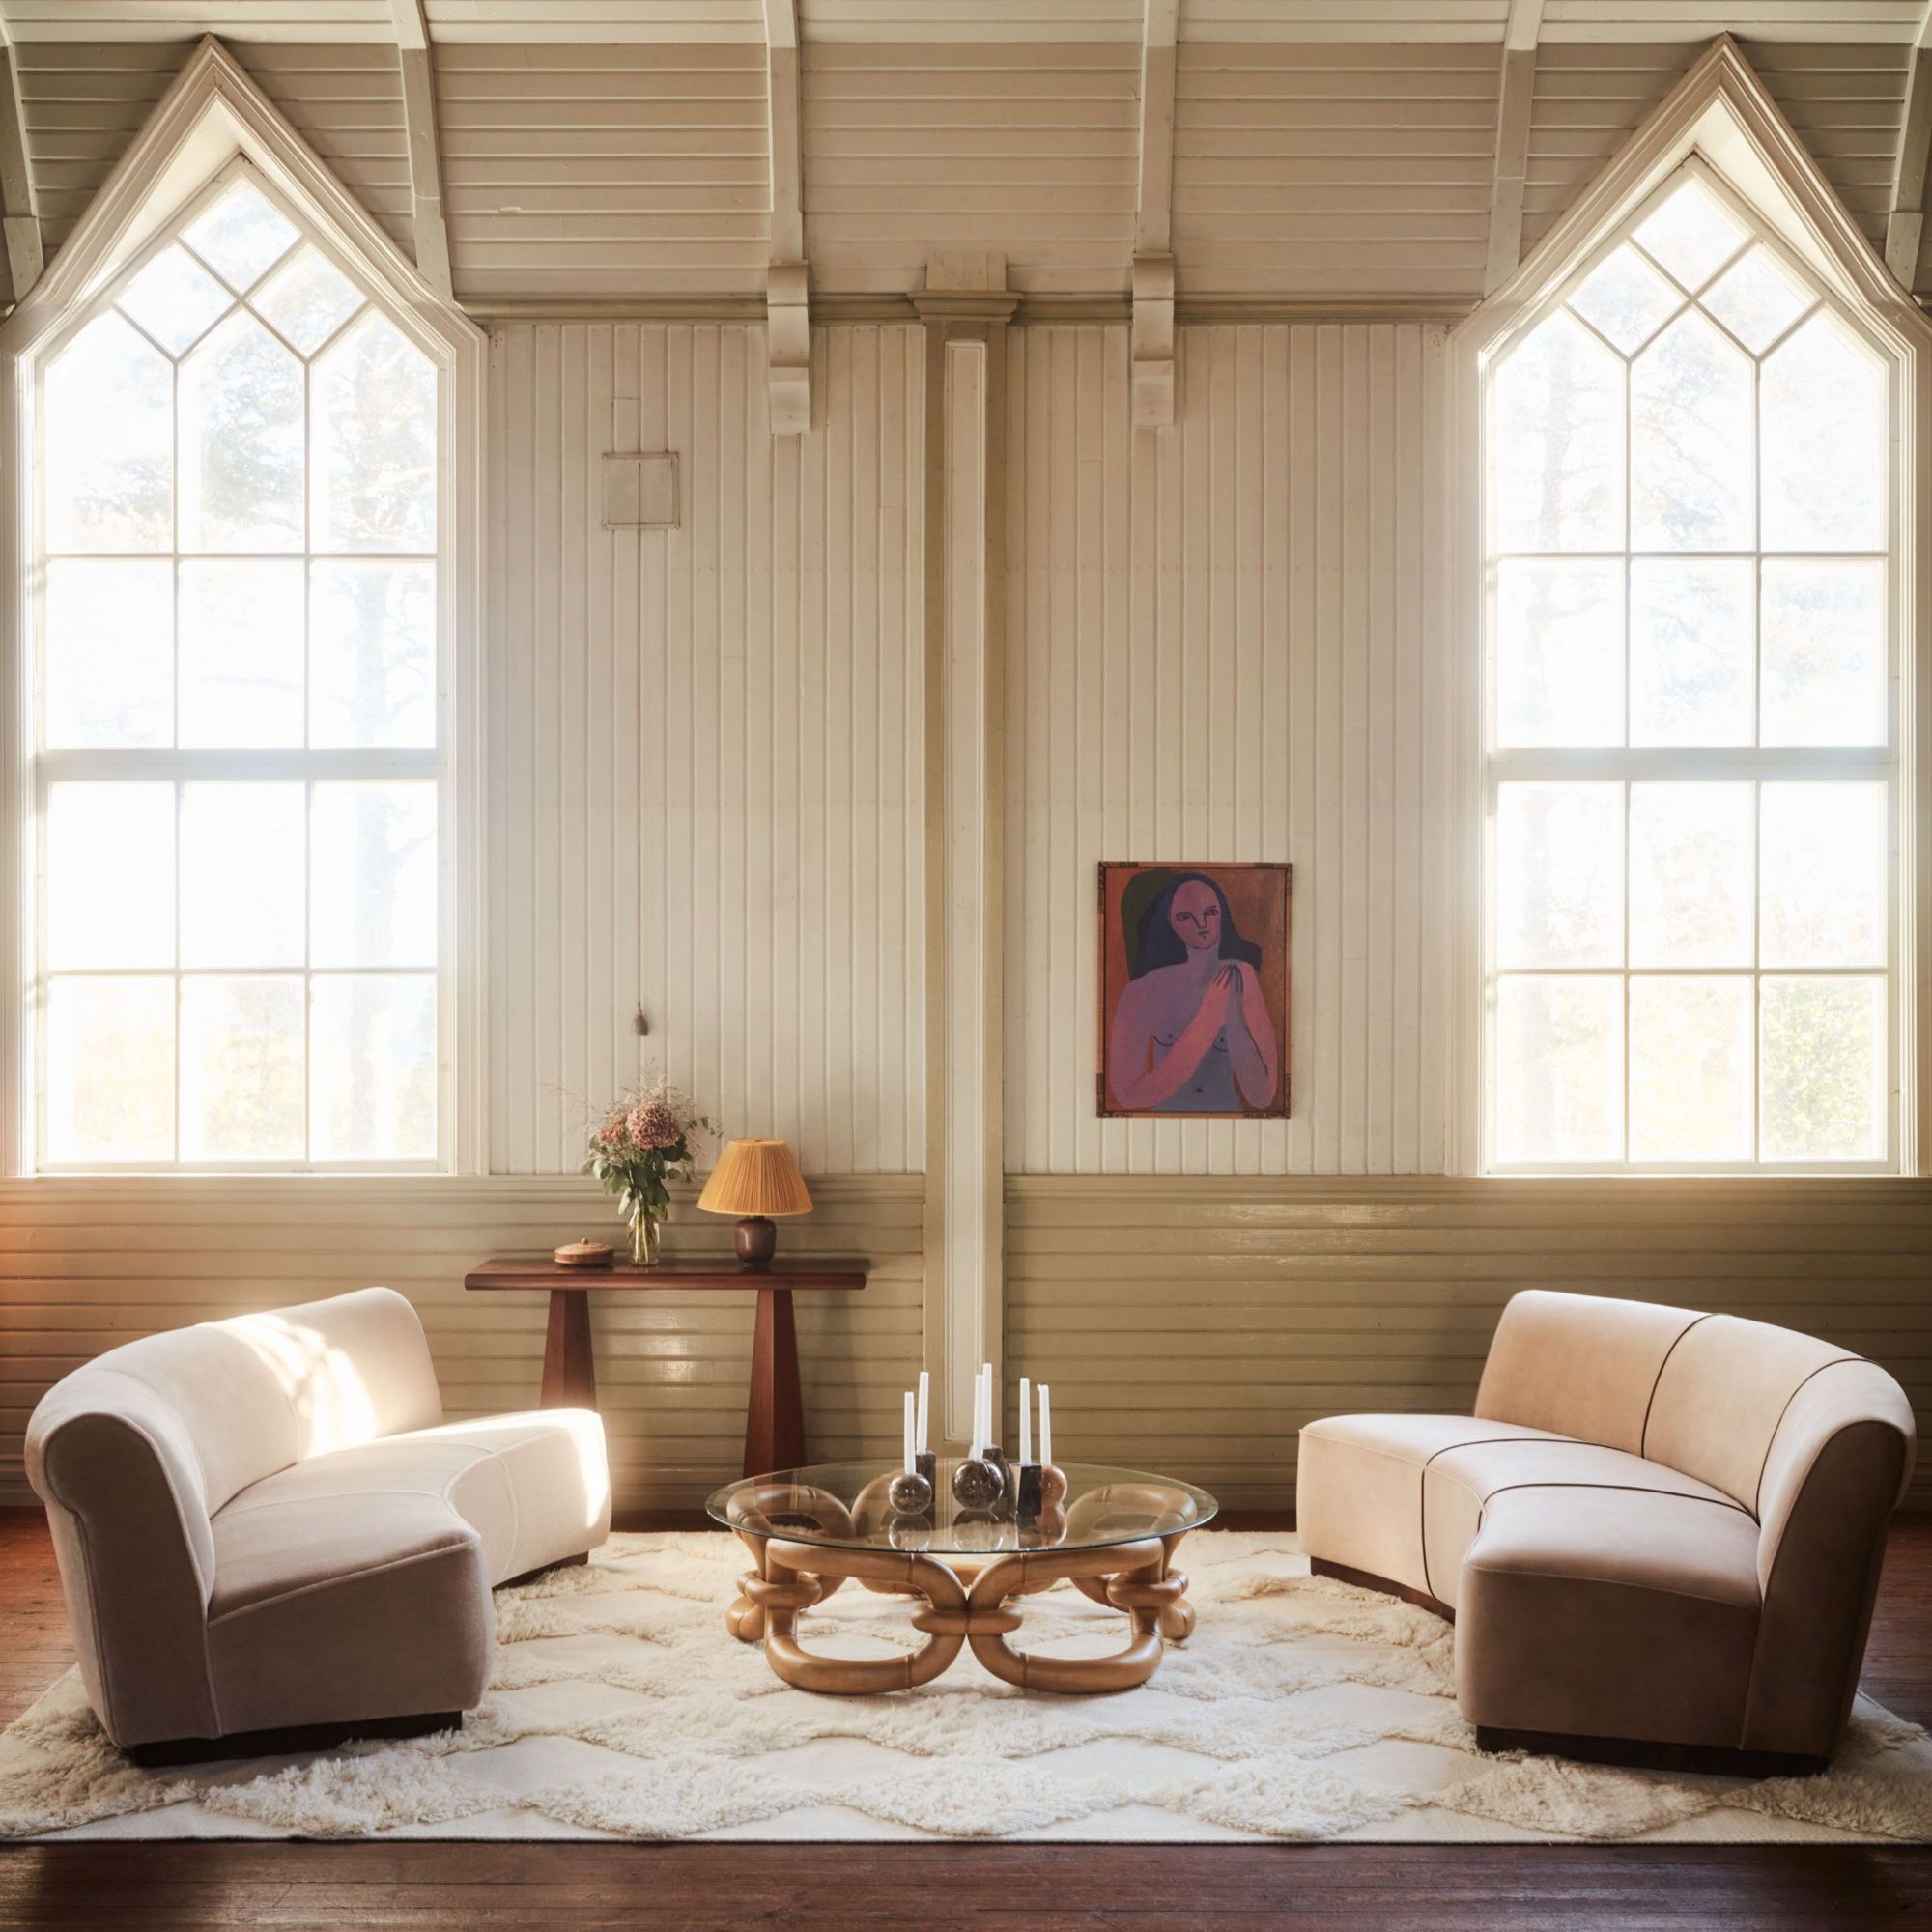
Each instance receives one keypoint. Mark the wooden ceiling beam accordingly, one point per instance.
(1905, 223)
(1152, 344)
(1514, 102)
(413, 51)
(25, 258)
(788, 305)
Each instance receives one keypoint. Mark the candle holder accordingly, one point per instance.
(994, 1455)
(1028, 1497)
(1052, 1485)
(977, 1484)
(910, 1494)
(927, 1463)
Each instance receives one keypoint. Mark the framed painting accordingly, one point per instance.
(1194, 963)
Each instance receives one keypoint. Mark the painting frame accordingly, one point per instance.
(1258, 914)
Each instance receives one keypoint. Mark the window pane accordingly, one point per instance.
(108, 445)
(110, 653)
(375, 443)
(1692, 235)
(372, 851)
(1560, 1068)
(242, 442)
(1691, 652)
(243, 866)
(372, 1091)
(1690, 1068)
(175, 299)
(242, 653)
(1823, 401)
(1559, 428)
(1824, 1078)
(1559, 652)
(1692, 880)
(372, 654)
(242, 1088)
(1625, 298)
(308, 299)
(111, 1069)
(240, 235)
(110, 875)
(1823, 876)
(1692, 476)
(1756, 301)
(1824, 649)
(1559, 874)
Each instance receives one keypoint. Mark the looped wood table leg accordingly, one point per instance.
(1135, 1577)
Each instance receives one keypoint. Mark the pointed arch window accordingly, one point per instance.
(1691, 617)
(238, 733)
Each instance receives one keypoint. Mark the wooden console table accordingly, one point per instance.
(774, 1413)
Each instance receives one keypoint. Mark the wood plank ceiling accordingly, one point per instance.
(614, 155)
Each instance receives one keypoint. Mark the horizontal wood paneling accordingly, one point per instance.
(1029, 149)
(602, 171)
(1224, 641)
(87, 1265)
(345, 98)
(1333, 170)
(703, 767)
(1194, 1326)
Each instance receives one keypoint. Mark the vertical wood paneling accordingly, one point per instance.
(703, 780)
(1218, 642)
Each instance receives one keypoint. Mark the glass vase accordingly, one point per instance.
(644, 1231)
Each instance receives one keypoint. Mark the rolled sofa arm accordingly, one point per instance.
(136, 1555)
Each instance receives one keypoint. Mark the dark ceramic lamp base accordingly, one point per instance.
(756, 1239)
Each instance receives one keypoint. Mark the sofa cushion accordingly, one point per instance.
(1580, 1365)
(1459, 1484)
(1358, 1487)
(1610, 1613)
(531, 1487)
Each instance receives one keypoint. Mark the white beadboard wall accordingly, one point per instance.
(1225, 641)
(704, 754)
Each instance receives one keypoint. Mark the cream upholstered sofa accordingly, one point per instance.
(269, 1538)
(1659, 1534)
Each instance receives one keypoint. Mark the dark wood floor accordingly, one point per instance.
(456, 1888)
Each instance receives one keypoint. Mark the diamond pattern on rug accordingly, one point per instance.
(620, 1707)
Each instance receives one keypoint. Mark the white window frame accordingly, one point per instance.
(1721, 123)
(214, 123)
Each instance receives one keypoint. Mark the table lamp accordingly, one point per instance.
(755, 1180)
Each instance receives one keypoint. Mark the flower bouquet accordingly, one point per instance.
(641, 1145)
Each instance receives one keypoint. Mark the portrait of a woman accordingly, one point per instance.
(1194, 1000)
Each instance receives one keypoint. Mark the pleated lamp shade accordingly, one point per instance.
(755, 1177)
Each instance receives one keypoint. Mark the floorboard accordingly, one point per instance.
(498, 1888)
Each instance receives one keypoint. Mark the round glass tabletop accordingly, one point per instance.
(846, 1506)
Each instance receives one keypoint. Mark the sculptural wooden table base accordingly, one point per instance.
(963, 1603)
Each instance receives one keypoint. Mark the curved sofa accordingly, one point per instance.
(1659, 1533)
(269, 1538)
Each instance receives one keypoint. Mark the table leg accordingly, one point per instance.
(569, 1372)
(775, 1409)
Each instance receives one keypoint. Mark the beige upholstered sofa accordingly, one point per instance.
(268, 1538)
(1659, 1534)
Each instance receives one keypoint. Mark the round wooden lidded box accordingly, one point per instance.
(586, 1254)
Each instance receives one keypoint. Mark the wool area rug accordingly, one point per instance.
(620, 1708)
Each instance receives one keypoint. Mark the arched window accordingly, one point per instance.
(237, 726)
(1690, 621)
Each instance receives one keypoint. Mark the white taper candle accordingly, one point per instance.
(992, 1428)
(1045, 1423)
(909, 1432)
(920, 1440)
(1026, 1420)
(979, 1441)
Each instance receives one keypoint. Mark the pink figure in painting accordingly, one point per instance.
(1191, 1034)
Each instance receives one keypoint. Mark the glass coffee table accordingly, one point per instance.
(1112, 1536)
